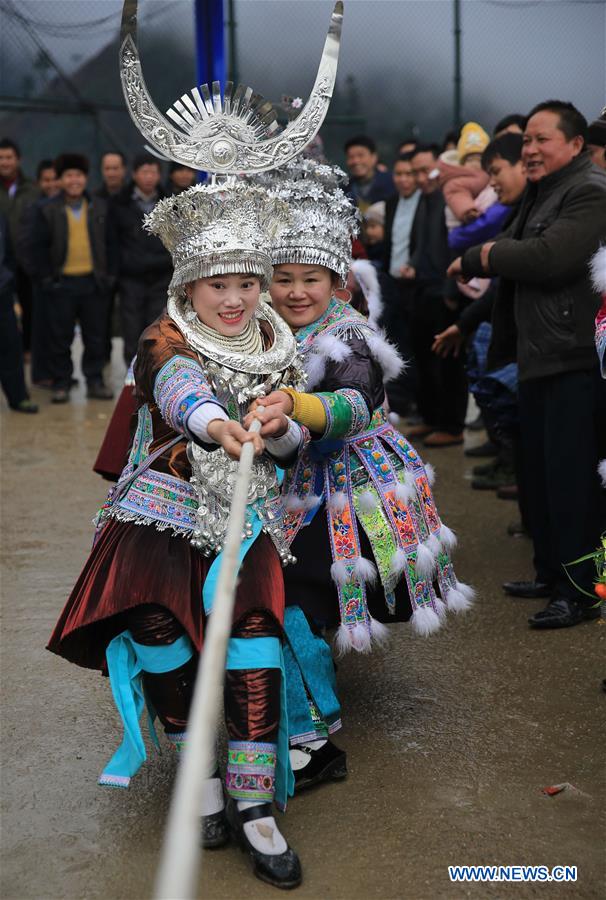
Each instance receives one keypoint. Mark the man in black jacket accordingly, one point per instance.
(441, 382)
(144, 265)
(545, 252)
(69, 264)
(399, 266)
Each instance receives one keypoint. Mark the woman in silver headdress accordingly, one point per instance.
(136, 610)
(362, 522)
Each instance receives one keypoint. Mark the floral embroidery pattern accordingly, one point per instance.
(179, 388)
(251, 769)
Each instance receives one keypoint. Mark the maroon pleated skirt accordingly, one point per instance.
(136, 564)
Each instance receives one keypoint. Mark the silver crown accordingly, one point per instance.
(219, 229)
(323, 220)
(234, 134)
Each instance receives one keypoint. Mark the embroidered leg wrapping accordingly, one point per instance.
(252, 715)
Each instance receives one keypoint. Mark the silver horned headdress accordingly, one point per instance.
(236, 133)
(323, 220)
(219, 229)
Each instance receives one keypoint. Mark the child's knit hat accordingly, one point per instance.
(473, 140)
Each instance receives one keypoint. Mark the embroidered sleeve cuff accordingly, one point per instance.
(197, 422)
(287, 445)
(180, 387)
(308, 410)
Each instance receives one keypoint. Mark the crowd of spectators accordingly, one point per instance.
(481, 247)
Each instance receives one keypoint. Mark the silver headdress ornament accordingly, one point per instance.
(236, 133)
(323, 220)
(219, 229)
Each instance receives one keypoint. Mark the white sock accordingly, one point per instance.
(213, 800)
(300, 756)
(263, 833)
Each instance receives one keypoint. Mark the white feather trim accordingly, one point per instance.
(398, 561)
(395, 420)
(311, 502)
(359, 636)
(447, 537)
(602, 471)
(433, 544)
(598, 270)
(457, 602)
(467, 591)
(315, 368)
(339, 572)
(426, 561)
(425, 621)
(330, 347)
(365, 570)
(337, 501)
(294, 504)
(379, 632)
(440, 606)
(342, 640)
(431, 473)
(366, 276)
(368, 501)
(386, 355)
(405, 493)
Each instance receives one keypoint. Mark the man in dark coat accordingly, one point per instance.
(144, 265)
(545, 252)
(69, 264)
(17, 193)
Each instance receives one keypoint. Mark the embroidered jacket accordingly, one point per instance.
(362, 473)
(186, 488)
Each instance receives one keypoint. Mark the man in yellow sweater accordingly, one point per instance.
(70, 259)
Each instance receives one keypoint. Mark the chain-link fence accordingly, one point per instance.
(60, 89)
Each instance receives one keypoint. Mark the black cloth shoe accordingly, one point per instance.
(563, 613)
(60, 395)
(25, 406)
(485, 449)
(534, 590)
(327, 763)
(282, 870)
(97, 390)
(214, 830)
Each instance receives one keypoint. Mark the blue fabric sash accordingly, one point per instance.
(126, 661)
(309, 669)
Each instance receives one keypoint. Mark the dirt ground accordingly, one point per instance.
(450, 739)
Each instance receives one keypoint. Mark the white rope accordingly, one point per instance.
(177, 876)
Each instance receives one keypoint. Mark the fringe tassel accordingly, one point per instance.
(339, 572)
(467, 591)
(379, 632)
(425, 621)
(456, 601)
(441, 607)
(405, 493)
(433, 544)
(425, 561)
(398, 561)
(369, 501)
(337, 501)
(365, 570)
(447, 537)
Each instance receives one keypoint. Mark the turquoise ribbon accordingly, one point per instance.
(258, 653)
(310, 672)
(126, 661)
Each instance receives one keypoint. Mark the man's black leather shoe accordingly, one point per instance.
(534, 590)
(563, 613)
(327, 763)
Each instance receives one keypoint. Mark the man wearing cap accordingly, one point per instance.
(70, 267)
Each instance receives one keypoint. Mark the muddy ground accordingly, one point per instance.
(450, 739)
